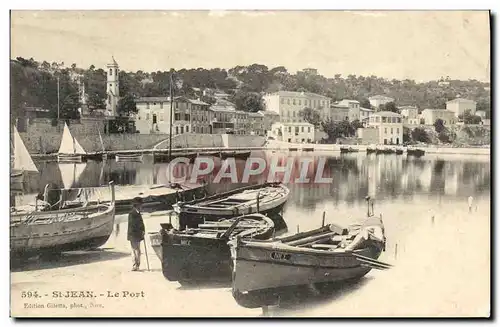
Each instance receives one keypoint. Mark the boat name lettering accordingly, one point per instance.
(280, 256)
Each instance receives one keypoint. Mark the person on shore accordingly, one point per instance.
(135, 232)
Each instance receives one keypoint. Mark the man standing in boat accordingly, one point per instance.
(135, 232)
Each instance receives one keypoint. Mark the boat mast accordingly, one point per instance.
(171, 118)
(57, 100)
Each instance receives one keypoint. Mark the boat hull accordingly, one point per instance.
(70, 158)
(197, 260)
(66, 230)
(128, 157)
(193, 219)
(261, 274)
(17, 178)
(191, 214)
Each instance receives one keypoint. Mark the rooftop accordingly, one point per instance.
(386, 114)
(297, 94)
(294, 124)
(365, 109)
(461, 100)
(380, 97)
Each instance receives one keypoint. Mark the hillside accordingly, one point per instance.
(35, 84)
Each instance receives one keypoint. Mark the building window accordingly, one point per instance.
(397, 130)
(392, 131)
(302, 129)
(293, 113)
(385, 130)
(187, 129)
(309, 129)
(296, 129)
(110, 72)
(161, 117)
(287, 101)
(293, 102)
(300, 102)
(110, 85)
(289, 129)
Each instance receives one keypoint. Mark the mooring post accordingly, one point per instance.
(396, 251)
(170, 217)
(297, 229)
(470, 200)
(323, 221)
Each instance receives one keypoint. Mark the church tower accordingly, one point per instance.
(112, 88)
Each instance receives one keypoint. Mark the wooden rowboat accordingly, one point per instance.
(127, 157)
(262, 270)
(268, 198)
(75, 228)
(203, 253)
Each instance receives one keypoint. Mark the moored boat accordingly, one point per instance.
(22, 162)
(268, 198)
(202, 253)
(154, 197)
(78, 227)
(127, 157)
(70, 150)
(348, 150)
(415, 152)
(262, 270)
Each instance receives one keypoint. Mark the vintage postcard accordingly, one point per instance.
(250, 163)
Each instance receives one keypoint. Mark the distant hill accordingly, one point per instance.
(34, 84)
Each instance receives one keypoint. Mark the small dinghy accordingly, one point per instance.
(268, 198)
(348, 150)
(202, 253)
(262, 270)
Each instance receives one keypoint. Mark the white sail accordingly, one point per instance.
(70, 145)
(22, 158)
(70, 173)
(102, 143)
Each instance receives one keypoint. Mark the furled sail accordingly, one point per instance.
(70, 145)
(22, 158)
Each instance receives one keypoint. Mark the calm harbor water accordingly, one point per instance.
(423, 202)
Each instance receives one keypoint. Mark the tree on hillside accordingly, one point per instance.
(336, 129)
(469, 119)
(439, 126)
(126, 105)
(248, 101)
(390, 106)
(419, 135)
(355, 124)
(312, 116)
(95, 101)
(406, 135)
(365, 103)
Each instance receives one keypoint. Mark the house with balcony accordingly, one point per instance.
(410, 115)
(384, 127)
(153, 115)
(429, 116)
(302, 132)
(288, 105)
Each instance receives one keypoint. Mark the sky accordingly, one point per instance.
(420, 45)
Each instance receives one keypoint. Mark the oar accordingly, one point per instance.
(368, 260)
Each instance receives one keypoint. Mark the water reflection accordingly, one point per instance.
(383, 177)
